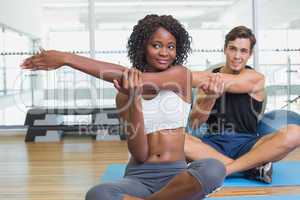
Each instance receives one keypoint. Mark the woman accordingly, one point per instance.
(154, 102)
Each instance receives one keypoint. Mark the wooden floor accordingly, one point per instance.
(66, 170)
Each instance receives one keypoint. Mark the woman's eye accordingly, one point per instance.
(172, 47)
(157, 46)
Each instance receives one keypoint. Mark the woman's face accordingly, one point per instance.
(160, 50)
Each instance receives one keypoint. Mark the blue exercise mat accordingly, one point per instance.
(113, 173)
(260, 197)
(285, 173)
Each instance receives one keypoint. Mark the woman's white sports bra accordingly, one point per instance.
(165, 111)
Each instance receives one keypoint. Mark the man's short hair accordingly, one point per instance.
(240, 32)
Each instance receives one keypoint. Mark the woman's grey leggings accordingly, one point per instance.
(144, 179)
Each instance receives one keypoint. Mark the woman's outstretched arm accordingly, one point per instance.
(52, 59)
(176, 78)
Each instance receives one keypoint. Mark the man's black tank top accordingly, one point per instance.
(234, 113)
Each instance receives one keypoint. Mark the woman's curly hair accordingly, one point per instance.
(145, 28)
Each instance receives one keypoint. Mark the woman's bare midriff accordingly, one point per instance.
(166, 145)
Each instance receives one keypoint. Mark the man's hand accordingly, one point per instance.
(207, 94)
(215, 86)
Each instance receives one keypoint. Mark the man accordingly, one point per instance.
(230, 104)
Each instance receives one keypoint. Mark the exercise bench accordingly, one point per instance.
(101, 119)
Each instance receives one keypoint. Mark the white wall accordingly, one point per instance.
(22, 15)
(238, 14)
(272, 14)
